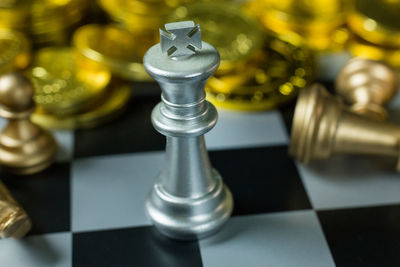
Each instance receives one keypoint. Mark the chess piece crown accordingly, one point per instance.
(322, 126)
(189, 199)
(367, 85)
(25, 148)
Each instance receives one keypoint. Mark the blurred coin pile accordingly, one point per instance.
(14, 51)
(69, 96)
(136, 21)
(366, 28)
(70, 92)
(316, 24)
(376, 28)
(46, 22)
(257, 72)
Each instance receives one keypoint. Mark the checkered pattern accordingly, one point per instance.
(88, 208)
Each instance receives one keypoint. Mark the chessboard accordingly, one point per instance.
(88, 208)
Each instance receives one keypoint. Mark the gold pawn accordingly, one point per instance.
(323, 127)
(14, 222)
(25, 148)
(367, 85)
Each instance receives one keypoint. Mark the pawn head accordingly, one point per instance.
(364, 81)
(16, 92)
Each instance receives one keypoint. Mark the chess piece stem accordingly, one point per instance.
(25, 148)
(323, 127)
(14, 222)
(367, 85)
(189, 199)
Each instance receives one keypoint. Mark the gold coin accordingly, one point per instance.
(136, 21)
(376, 21)
(16, 18)
(361, 48)
(112, 105)
(274, 80)
(51, 16)
(119, 50)
(146, 7)
(60, 88)
(14, 51)
(236, 36)
(314, 23)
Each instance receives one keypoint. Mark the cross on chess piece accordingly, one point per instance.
(189, 199)
(25, 148)
(181, 39)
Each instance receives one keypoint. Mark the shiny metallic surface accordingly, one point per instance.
(25, 148)
(322, 127)
(14, 222)
(189, 199)
(367, 85)
(181, 38)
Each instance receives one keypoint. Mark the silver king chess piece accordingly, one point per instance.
(189, 199)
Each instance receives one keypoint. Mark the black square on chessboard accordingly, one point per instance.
(131, 132)
(261, 179)
(363, 237)
(45, 196)
(138, 246)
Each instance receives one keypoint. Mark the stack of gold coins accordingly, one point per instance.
(68, 96)
(257, 72)
(317, 24)
(142, 18)
(47, 22)
(119, 51)
(14, 51)
(376, 28)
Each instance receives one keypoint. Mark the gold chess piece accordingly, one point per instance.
(25, 148)
(14, 222)
(367, 85)
(323, 127)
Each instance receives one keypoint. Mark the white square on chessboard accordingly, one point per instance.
(240, 130)
(283, 239)
(49, 250)
(109, 192)
(351, 181)
(64, 140)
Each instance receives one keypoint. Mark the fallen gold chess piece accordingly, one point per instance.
(25, 148)
(322, 126)
(14, 222)
(367, 85)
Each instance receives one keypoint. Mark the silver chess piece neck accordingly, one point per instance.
(189, 199)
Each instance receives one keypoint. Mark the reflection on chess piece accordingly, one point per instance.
(14, 222)
(322, 127)
(367, 85)
(25, 148)
(189, 199)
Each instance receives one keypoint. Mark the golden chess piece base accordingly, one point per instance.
(323, 127)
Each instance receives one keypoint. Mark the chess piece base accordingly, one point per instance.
(28, 170)
(28, 156)
(190, 218)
